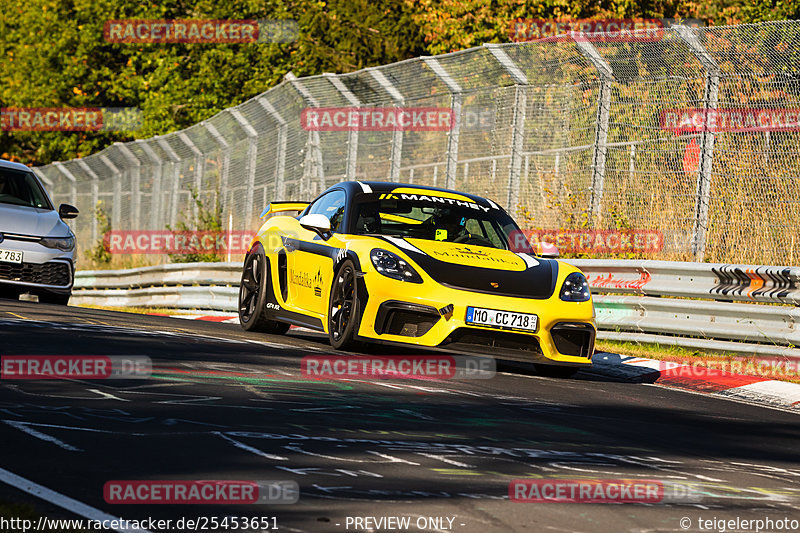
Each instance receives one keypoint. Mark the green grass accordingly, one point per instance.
(141, 310)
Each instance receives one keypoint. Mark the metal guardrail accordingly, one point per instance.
(695, 305)
(716, 281)
(175, 286)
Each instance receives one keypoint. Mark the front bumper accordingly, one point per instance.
(432, 316)
(42, 268)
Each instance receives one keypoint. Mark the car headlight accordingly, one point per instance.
(575, 288)
(65, 244)
(393, 266)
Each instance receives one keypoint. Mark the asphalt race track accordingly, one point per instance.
(225, 404)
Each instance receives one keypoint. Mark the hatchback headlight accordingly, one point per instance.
(65, 244)
(393, 266)
(575, 288)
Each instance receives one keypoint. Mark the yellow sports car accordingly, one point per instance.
(415, 266)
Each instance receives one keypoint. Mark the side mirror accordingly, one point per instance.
(67, 211)
(546, 250)
(317, 223)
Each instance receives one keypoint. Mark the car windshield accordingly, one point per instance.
(21, 188)
(430, 220)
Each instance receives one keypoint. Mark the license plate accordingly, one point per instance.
(10, 256)
(501, 319)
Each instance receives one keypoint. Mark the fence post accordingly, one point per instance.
(156, 205)
(116, 210)
(136, 182)
(352, 134)
(280, 168)
(397, 136)
(176, 179)
(226, 159)
(73, 188)
(95, 193)
(710, 102)
(518, 122)
(252, 152)
(456, 100)
(198, 165)
(606, 75)
(313, 144)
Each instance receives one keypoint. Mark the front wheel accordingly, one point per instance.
(343, 308)
(253, 295)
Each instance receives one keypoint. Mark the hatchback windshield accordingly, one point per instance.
(422, 219)
(21, 188)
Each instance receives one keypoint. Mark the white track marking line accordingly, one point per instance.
(393, 459)
(245, 447)
(445, 460)
(22, 426)
(108, 396)
(56, 498)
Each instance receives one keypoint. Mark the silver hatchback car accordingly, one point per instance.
(37, 248)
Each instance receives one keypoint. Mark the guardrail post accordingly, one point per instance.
(280, 168)
(518, 122)
(136, 183)
(397, 137)
(156, 205)
(352, 133)
(456, 100)
(606, 75)
(176, 179)
(116, 210)
(313, 144)
(198, 165)
(710, 102)
(252, 152)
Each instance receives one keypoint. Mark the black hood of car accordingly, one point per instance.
(462, 267)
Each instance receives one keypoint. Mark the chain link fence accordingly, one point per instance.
(568, 132)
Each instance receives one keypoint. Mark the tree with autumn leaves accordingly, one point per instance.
(54, 54)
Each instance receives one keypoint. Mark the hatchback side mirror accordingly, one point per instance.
(67, 211)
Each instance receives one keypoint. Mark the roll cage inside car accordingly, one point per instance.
(341, 205)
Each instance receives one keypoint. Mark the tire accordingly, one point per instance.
(253, 289)
(54, 298)
(344, 308)
(555, 371)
